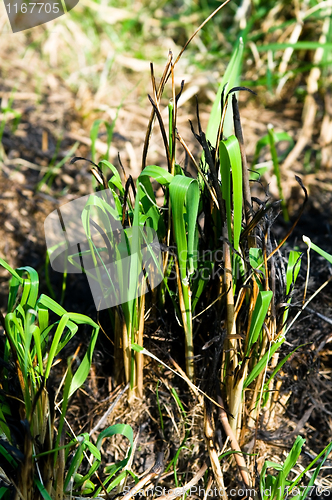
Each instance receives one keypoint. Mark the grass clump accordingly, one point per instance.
(218, 251)
(36, 458)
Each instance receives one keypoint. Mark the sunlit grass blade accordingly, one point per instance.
(276, 169)
(317, 249)
(326, 452)
(258, 317)
(265, 141)
(184, 195)
(54, 170)
(231, 167)
(230, 79)
(279, 366)
(262, 363)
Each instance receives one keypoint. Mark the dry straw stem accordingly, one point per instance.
(167, 73)
(60, 468)
(186, 487)
(154, 473)
(209, 432)
(231, 341)
(103, 420)
(233, 442)
(293, 39)
(310, 107)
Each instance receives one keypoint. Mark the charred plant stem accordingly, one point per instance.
(160, 90)
(163, 132)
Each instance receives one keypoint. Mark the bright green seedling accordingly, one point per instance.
(293, 269)
(280, 487)
(265, 141)
(262, 305)
(109, 131)
(110, 482)
(314, 247)
(271, 140)
(8, 112)
(276, 169)
(230, 79)
(55, 168)
(32, 344)
(231, 178)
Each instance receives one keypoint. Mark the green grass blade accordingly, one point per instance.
(51, 304)
(123, 429)
(262, 363)
(327, 450)
(276, 169)
(265, 141)
(302, 45)
(4, 264)
(258, 317)
(92, 469)
(321, 252)
(293, 456)
(30, 301)
(293, 268)
(8, 456)
(3, 425)
(179, 403)
(93, 136)
(204, 271)
(42, 490)
(158, 174)
(230, 161)
(115, 180)
(279, 491)
(75, 463)
(83, 370)
(184, 194)
(230, 79)
(5, 493)
(55, 342)
(115, 482)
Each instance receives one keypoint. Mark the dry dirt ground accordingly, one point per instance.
(55, 124)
